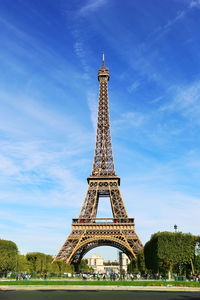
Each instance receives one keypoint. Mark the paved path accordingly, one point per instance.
(97, 295)
(98, 288)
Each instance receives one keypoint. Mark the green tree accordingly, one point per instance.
(166, 250)
(39, 262)
(141, 262)
(31, 258)
(197, 264)
(42, 263)
(137, 264)
(197, 257)
(83, 266)
(8, 256)
(111, 263)
(132, 266)
(22, 263)
(67, 268)
(58, 267)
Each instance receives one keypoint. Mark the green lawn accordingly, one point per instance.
(95, 282)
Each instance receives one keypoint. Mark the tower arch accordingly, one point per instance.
(86, 245)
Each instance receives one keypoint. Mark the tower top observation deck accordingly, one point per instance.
(103, 71)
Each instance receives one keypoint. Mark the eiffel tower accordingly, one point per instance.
(88, 231)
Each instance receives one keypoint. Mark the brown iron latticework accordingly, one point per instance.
(88, 231)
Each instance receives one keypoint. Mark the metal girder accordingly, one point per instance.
(103, 164)
(98, 188)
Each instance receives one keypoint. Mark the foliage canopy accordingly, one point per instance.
(8, 256)
(166, 249)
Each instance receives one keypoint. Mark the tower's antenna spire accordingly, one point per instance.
(103, 59)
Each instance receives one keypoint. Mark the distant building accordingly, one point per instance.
(104, 266)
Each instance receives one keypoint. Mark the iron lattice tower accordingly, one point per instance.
(88, 231)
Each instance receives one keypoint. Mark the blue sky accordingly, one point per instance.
(50, 53)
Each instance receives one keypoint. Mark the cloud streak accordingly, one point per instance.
(195, 4)
(91, 6)
(130, 119)
(185, 101)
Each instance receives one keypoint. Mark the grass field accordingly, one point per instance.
(101, 283)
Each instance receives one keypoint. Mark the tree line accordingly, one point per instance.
(35, 263)
(165, 253)
(169, 253)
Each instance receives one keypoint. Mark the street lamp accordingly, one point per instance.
(179, 263)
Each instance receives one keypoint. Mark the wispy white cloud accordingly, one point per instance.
(130, 119)
(133, 87)
(80, 44)
(41, 232)
(32, 114)
(7, 166)
(161, 30)
(26, 49)
(37, 168)
(146, 54)
(91, 6)
(79, 48)
(195, 3)
(185, 101)
(157, 99)
(158, 207)
(180, 15)
(35, 163)
(35, 44)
